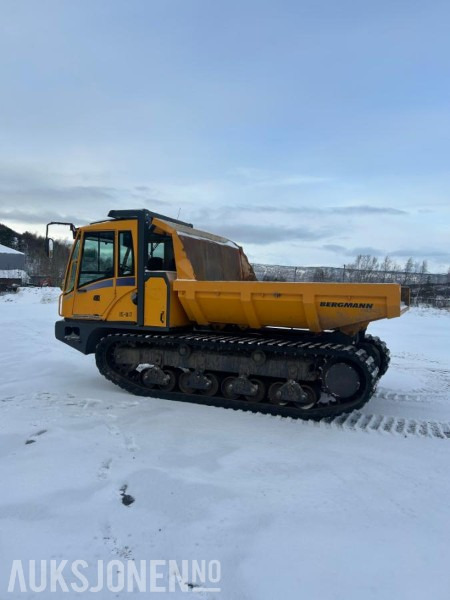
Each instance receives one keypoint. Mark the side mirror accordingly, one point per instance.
(49, 247)
(49, 242)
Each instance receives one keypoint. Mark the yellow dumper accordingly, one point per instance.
(174, 312)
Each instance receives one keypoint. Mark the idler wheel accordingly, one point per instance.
(342, 380)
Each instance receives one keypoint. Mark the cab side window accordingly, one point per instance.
(97, 261)
(160, 254)
(126, 254)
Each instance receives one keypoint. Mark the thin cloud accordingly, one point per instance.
(334, 248)
(364, 250)
(365, 209)
(266, 234)
(416, 253)
(422, 253)
(358, 209)
(49, 193)
(29, 197)
(260, 178)
(32, 217)
(293, 180)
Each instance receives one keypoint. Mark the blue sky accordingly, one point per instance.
(307, 131)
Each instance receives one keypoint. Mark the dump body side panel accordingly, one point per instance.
(313, 306)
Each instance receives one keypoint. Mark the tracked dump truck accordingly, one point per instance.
(176, 313)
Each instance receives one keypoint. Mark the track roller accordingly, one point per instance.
(191, 382)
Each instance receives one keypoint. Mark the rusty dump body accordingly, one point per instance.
(176, 312)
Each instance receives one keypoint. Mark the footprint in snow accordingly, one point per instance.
(31, 439)
(114, 544)
(104, 469)
(126, 498)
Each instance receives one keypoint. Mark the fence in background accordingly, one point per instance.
(427, 289)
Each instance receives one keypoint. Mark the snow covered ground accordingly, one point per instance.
(290, 509)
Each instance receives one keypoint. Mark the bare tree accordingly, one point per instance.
(363, 267)
(422, 270)
(409, 267)
(322, 274)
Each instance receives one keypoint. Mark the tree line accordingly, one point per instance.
(366, 267)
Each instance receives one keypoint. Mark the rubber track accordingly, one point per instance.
(236, 344)
(382, 349)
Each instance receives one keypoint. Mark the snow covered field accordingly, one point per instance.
(290, 509)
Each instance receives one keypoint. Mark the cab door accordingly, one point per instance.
(96, 286)
(125, 308)
(66, 298)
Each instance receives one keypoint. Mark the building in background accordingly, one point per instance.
(12, 265)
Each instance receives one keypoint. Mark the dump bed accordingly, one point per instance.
(313, 306)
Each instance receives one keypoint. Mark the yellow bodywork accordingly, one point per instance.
(115, 303)
(163, 308)
(313, 306)
(178, 298)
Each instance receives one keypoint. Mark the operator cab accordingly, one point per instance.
(122, 270)
(160, 253)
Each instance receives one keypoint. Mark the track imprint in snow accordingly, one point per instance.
(357, 421)
(423, 398)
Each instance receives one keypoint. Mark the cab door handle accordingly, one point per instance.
(82, 291)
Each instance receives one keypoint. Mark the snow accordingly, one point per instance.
(291, 509)
(8, 250)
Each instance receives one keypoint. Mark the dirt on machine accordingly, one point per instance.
(176, 313)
